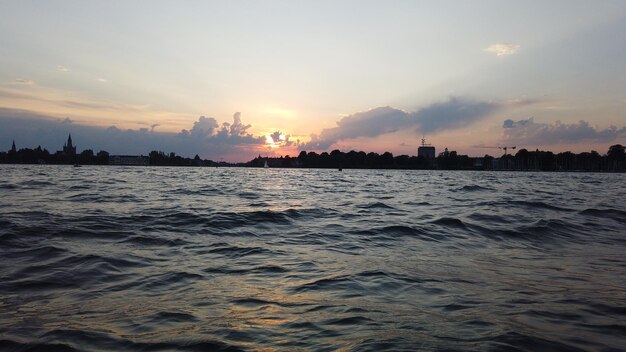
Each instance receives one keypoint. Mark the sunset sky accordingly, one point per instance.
(233, 79)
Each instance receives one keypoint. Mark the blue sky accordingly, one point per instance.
(302, 67)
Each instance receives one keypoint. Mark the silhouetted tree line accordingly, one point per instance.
(350, 160)
(87, 157)
(614, 160)
(159, 158)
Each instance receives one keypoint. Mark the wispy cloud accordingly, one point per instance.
(502, 49)
(57, 99)
(102, 80)
(62, 68)
(56, 102)
(24, 81)
(529, 132)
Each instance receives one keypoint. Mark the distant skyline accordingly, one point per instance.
(231, 80)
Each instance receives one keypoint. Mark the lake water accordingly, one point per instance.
(203, 259)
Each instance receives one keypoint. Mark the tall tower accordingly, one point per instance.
(68, 148)
(13, 149)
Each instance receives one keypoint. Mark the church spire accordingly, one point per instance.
(13, 149)
(68, 147)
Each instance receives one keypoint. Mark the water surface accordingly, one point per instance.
(195, 259)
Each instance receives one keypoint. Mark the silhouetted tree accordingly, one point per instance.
(616, 157)
(487, 162)
(302, 158)
(86, 157)
(102, 158)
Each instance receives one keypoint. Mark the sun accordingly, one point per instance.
(270, 143)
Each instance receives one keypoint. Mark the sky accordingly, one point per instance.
(230, 80)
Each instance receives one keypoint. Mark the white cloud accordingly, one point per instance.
(24, 81)
(103, 80)
(502, 49)
(62, 68)
(207, 129)
(204, 126)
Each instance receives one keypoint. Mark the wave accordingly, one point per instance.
(449, 222)
(514, 341)
(35, 184)
(143, 241)
(157, 259)
(398, 232)
(537, 205)
(95, 340)
(472, 188)
(368, 282)
(613, 214)
(376, 205)
(15, 346)
(237, 252)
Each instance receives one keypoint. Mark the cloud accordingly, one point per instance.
(238, 128)
(204, 126)
(102, 80)
(207, 129)
(24, 81)
(230, 141)
(450, 114)
(275, 137)
(502, 49)
(62, 68)
(529, 132)
(281, 140)
(153, 126)
(67, 120)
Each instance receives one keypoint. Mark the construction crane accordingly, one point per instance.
(505, 148)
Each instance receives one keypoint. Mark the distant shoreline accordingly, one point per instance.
(243, 166)
(523, 160)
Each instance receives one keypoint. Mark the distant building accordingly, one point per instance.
(13, 149)
(129, 160)
(68, 148)
(426, 150)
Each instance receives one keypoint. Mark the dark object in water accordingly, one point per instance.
(340, 169)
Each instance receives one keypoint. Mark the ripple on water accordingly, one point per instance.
(197, 259)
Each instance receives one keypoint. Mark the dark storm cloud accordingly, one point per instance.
(450, 114)
(530, 132)
(206, 138)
